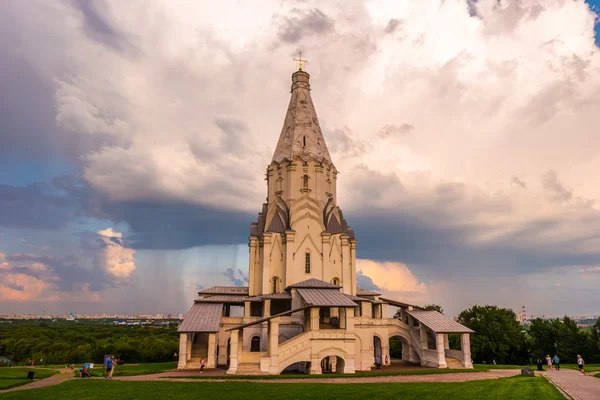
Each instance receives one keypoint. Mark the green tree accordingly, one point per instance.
(497, 336)
(434, 307)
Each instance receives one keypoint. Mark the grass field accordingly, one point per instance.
(509, 388)
(137, 369)
(588, 367)
(477, 368)
(11, 377)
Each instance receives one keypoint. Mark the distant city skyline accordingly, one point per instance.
(134, 141)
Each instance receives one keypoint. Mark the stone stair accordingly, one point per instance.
(454, 363)
(248, 369)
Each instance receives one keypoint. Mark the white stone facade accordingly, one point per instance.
(302, 255)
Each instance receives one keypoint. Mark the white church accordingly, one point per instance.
(302, 310)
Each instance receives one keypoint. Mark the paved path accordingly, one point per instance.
(574, 385)
(451, 377)
(52, 380)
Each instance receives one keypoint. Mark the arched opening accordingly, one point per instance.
(305, 182)
(336, 281)
(228, 350)
(302, 367)
(255, 344)
(332, 365)
(377, 350)
(396, 348)
(274, 283)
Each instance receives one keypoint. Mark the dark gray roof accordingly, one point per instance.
(400, 304)
(439, 323)
(325, 297)
(356, 298)
(227, 298)
(365, 292)
(202, 317)
(277, 296)
(314, 283)
(239, 290)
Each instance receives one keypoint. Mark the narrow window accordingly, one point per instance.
(336, 282)
(305, 182)
(304, 141)
(307, 264)
(255, 344)
(274, 285)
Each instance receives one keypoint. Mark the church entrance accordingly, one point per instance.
(377, 350)
(332, 365)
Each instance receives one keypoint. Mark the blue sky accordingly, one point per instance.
(133, 150)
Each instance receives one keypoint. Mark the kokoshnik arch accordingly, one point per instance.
(302, 310)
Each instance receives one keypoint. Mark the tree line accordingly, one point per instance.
(63, 342)
(499, 336)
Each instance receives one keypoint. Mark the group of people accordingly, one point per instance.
(554, 363)
(378, 361)
(110, 367)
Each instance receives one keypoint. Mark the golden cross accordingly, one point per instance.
(300, 61)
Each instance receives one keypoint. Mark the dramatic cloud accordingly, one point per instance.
(394, 279)
(236, 277)
(114, 257)
(464, 131)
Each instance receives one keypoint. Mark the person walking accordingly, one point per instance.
(556, 361)
(539, 364)
(580, 364)
(387, 361)
(112, 368)
(549, 362)
(202, 362)
(175, 356)
(378, 362)
(109, 368)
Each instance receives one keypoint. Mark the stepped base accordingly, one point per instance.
(454, 363)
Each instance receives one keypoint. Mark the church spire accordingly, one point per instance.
(301, 134)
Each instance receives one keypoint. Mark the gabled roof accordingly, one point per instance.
(277, 296)
(314, 283)
(202, 317)
(325, 297)
(227, 298)
(439, 323)
(239, 290)
(365, 292)
(301, 134)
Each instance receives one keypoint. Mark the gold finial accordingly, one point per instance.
(300, 61)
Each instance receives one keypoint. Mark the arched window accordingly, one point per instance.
(278, 185)
(336, 281)
(274, 285)
(255, 344)
(307, 263)
(305, 182)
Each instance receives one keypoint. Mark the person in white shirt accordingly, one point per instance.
(580, 364)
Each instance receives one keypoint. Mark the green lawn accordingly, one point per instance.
(139, 369)
(10, 383)
(587, 368)
(478, 368)
(11, 377)
(521, 388)
(501, 366)
(21, 373)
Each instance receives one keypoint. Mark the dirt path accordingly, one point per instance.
(574, 385)
(52, 380)
(450, 377)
